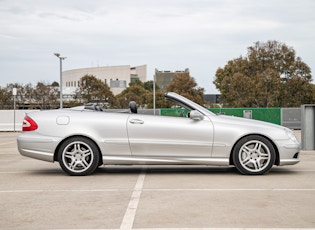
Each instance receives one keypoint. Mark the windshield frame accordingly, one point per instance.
(186, 103)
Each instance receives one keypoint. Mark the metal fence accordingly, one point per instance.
(291, 118)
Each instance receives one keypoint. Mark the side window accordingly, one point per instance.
(175, 112)
(183, 112)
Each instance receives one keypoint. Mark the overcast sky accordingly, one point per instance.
(201, 35)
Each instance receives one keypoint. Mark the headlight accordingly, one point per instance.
(290, 134)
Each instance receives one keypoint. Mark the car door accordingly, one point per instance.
(169, 136)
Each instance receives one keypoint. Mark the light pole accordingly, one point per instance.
(60, 84)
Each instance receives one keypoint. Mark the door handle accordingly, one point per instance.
(136, 121)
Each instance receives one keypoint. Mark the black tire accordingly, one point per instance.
(254, 155)
(78, 156)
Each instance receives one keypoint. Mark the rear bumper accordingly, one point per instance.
(37, 146)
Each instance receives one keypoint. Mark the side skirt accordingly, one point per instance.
(141, 160)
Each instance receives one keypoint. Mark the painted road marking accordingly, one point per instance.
(130, 214)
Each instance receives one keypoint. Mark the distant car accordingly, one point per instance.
(84, 138)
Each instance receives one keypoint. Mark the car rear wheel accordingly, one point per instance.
(78, 156)
(254, 155)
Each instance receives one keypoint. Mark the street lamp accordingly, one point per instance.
(60, 58)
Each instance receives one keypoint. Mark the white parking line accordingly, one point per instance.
(130, 214)
(137, 191)
(62, 190)
(229, 189)
(222, 228)
(200, 229)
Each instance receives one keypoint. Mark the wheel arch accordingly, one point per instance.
(73, 136)
(277, 160)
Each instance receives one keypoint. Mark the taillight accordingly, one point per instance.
(29, 124)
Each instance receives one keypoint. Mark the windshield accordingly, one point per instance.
(186, 103)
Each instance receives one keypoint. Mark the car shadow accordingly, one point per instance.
(169, 169)
(175, 169)
(46, 172)
(283, 171)
(160, 169)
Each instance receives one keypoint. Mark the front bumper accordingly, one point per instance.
(288, 152)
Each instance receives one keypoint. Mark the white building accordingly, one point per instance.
(116, 77)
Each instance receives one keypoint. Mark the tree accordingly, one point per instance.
(160, 101)
(269, 76)
(186, 86)
(142, 94)
(25, 94)
(41, 94)
(92, 89)
(55, 84)
(148, 85)
(6, 99)
(135, 92)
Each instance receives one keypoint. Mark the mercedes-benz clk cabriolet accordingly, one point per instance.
(83, 138)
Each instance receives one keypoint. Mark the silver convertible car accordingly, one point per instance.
(84, 138)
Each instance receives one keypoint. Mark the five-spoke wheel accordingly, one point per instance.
(78, 156)
(254, 155)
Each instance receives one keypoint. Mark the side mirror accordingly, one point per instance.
(196, 115)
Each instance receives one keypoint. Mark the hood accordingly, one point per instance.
(248, 122)
(248, 126)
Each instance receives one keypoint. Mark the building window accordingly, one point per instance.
(134, 79)
(118, 84)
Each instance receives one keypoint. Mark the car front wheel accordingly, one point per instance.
(78, 156)
(254, 155)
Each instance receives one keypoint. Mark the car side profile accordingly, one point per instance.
(84, 138)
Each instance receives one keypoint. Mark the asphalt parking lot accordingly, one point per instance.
(39, 195)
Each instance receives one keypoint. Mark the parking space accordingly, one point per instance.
(39, 195)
